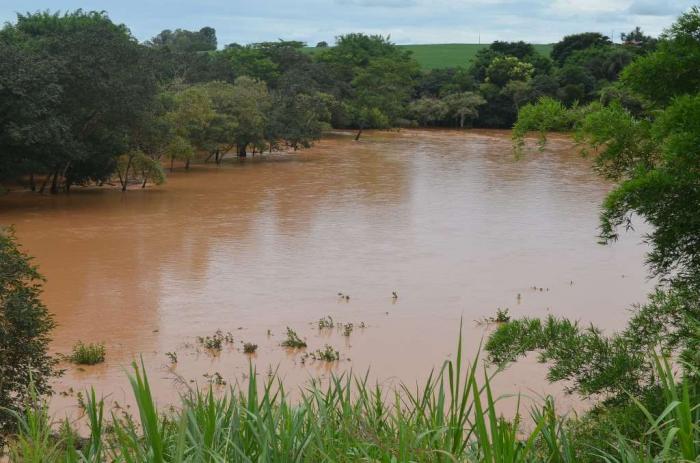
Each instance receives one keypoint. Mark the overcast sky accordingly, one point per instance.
(407, 21)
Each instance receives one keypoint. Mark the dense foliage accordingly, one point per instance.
(84, 103)
(25, 325)
(652, 151)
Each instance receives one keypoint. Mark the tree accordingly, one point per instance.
(443, 81)
(31, 124)
(464, 106)
(25, 324)
(655, 159)
(374, 79)
(220, 133)
(299, 118)
(322, 44)
(251, 105)
(674, 68)
(190, 118)
(189, 56)
(105, 83)
(140, 165)
(503, 69)
(184, 41)
(571, 43)
(428, 110)
(253, 62)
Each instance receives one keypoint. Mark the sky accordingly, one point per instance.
(406, 21)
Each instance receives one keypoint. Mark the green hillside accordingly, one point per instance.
(445, 55)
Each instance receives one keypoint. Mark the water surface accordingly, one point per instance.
(449, 220)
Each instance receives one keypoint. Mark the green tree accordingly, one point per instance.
(299, 119)
(464, 106)
(30, 120)
(221, 130)
(374, 77)
(656, 161)
(672, 70)
(251, 105)
(572, 43)
(105, 82)
(25, 325)
(428, 110)
(503, 69)
(191, 116)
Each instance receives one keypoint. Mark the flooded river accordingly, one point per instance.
(449, 220)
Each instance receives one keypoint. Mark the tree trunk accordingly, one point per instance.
(54, 183)
(145, 179)
(32, 185)
(359, 132)
(43, 185)
(461, 121)
(172, 161)
(187, 164)
(125, 182)
(241, 150)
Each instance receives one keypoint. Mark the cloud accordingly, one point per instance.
(654, 8)
(408, 21)
(590, 6)
(378, 3)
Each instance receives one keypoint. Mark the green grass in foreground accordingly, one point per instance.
(453, 417)
(446, 55)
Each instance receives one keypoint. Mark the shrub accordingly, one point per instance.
(293, 340)
(88, 354)
(25, 324)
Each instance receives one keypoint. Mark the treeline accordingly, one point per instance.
(507, 75)
(83, 102)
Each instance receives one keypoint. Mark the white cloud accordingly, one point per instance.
(590, 6)
(378, 3)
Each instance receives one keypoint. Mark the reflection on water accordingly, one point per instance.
(449, 220)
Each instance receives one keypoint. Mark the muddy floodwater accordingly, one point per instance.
(449, 220)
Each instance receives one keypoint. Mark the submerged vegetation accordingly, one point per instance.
(293, 340)
(216, 341)
(88, 354)
(85, 104)
(453, 416)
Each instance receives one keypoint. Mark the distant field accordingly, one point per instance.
(445, 55)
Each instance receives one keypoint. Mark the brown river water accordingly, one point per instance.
(449, 220)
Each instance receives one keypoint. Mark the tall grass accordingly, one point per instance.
(452, 417)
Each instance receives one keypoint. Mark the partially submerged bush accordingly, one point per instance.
(88, 354)
(293, 340)
(216, 341)
(328, 354)
(249, 348)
